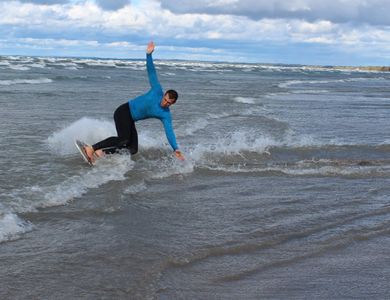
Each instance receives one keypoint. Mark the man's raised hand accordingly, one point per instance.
(150, 48)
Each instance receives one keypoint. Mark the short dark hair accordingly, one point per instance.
(172, 94)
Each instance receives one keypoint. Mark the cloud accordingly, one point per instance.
(112, 4)
(226, 28)
(337, 11)
(105, 4)
(45, 2)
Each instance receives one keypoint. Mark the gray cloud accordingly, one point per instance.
(337, 11)
(112, 4)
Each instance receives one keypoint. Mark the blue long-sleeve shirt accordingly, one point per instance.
(148, 105)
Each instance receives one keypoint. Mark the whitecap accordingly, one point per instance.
(289, 83)
(310, 92)
(11, 227)
(4, 63)
(168, 74)
(25, 81)
(19, 67)
(38, 65)
(246, 100)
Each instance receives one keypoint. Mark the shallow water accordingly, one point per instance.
(284, 193)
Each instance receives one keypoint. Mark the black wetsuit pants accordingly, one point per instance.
(127, 133)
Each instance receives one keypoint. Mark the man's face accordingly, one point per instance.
(166, 101)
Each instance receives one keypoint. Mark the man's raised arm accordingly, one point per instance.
(152, 74)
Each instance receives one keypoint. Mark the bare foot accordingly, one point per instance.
(99, 153)
(89, 151)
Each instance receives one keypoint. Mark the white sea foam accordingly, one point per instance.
(289, 83)
(193, 127)
(41, 65)
(246, 100)
(110, 168)
(310, 92)
(174, 168)
(135, 188)
(152, 139)
(235, 143)
(4, 63)
(297, 170)
(91, 130)
(11, 227)
(79, 182)
(25, 81)
(169, 74)
(86, 129)
(64, 64)
(19, 67)
(98, 62)
(239, 142)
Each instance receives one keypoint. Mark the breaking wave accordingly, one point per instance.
(25, 81)
(12, 227)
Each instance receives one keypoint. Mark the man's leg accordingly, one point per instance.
(133, 141)
(127, 135)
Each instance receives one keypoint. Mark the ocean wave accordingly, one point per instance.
(90, 131)
(25, 81)
(12, 227)
(109, 168)
(355, 169)
(271, 157)
(19, 67)
(194, 127)
(169, 166)
(61, 192)
(246, 100)
(290, 83)
(65, 65)
(80, 77)
(192, 66)
(309, 92)
(86, 129)
(240, 141)
(238, 152)
(238, 147)
(237, 142)
(40, 65)
(5, 63)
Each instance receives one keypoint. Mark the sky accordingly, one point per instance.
(312, 32)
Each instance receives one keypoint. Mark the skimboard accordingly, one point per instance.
(80, 146)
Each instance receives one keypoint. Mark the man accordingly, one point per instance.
(153, 104)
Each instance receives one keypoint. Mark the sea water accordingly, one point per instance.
(284, 193)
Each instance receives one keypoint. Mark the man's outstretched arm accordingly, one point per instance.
(172, 138)
(152, 74)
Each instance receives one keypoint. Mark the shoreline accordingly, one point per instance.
(359, 68)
